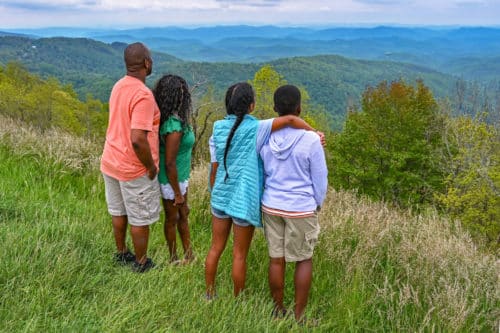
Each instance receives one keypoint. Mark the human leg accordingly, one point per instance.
(242, 240)
(302, 281)
(220, 233)
(274, 230)
(118, 212)
(171, 220)
(140, 237)
(120, 224)
(183, 228)
(141, 197)
(277, 282)
(301, 236)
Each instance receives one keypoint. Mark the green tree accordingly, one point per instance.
(205, 111)
(47, 103)
(390, 148)
(472, 192)
(265, 82)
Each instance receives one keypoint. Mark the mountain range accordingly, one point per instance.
(439, 48)
(92, 67)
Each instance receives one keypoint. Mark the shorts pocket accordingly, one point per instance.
(143, 205)
(311, 239)
(148, 200)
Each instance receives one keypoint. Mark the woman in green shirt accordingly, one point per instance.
(176, 144)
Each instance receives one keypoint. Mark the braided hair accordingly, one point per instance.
(173, 98)
(242, 96)
(229, 94)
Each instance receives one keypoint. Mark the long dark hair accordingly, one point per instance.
(229, 94)
(173, 98)
(241, 97)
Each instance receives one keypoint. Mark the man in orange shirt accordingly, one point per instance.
(129, 161)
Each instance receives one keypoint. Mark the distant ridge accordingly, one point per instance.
(14, 34)
(92, 67)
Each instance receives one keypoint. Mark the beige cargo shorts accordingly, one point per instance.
(292, 238)
(139, 199)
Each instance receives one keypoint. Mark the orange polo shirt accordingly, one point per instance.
(131, 106)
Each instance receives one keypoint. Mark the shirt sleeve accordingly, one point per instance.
(319, 172)
(211, 146)
(171, 125)
(263, 132)
(142, 112)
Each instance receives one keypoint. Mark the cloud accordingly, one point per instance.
(58, 5)
(249, 3)
(384, 2)
(127, 13)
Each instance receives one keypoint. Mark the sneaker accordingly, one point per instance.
(124, 258)
(210, 297)
(141, 268)
(279, 313)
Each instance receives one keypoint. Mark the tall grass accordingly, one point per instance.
(375, 269)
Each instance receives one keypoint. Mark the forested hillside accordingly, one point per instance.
(441, 48)
(400, 145)
(92, 67)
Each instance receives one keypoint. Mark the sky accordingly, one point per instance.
(144, 13)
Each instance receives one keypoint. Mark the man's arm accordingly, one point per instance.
(295, 122)
(290, 121)
(141, 147)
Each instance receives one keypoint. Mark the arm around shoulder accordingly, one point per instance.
(290, 121)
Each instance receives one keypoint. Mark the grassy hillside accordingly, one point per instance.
(93, 67)
(376, 269)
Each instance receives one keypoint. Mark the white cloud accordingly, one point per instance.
(126, 13)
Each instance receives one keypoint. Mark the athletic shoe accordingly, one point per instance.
(124, 258)
(142, 268)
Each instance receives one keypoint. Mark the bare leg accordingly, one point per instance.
(120, 232)
(242, 239)
(183, 228)
(220, 234)
(171, 219)
(277, 283)
(140, 236)
(302, 279)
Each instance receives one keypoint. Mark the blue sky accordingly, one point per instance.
(140, 13)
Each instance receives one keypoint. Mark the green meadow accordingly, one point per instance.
(376, 269)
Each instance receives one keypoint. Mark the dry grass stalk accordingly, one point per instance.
(75, 153)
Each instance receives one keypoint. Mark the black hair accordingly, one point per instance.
(286, 99)
(173, 98)
(229, 93)
(242, 96)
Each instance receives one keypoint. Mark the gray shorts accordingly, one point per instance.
(291, 238)
(138, 199)
(222, 215)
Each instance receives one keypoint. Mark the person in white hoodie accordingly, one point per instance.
(295, 187)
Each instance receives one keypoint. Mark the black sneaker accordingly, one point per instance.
(124, 258)
(138, 268)
(279, 313)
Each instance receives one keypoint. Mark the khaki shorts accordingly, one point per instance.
(292, 238)
(138, 199)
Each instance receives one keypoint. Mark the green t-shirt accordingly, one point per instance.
(183, 160)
